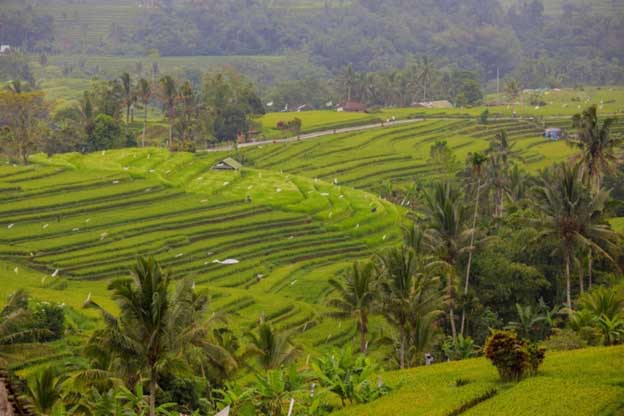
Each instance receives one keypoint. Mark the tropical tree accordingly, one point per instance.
(572, 216)
(597, 146)
(157, 329)
(273, 349)
(409, 296)
(15, 325)
(476, 161)
(45, 392)
(128, 94)
(426, 70)
(355, 298)
(348, 81)
(23, 123)
(528, 323)
(500, 155)
(446, 234)
(144, 94)
(168, 96)
(513, 90)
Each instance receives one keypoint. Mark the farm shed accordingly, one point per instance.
(352, 107)
(552, 133)
(227, 164)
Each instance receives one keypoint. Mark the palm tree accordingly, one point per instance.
(571, 215)
(355, 298)
(500, 153)
(128, 95)
(144, 93)
(46, 391)
(409, 297)
(476, 161)
(168, 96)
(273, 349)
(426, 73)
(16, 324)
(157, 328)
(527, 324)
(348, 80)
(513, 90)
(597, 146)
(446, 233)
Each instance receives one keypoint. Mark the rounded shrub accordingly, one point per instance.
(512, 356)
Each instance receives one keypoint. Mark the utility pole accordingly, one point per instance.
(497, 82)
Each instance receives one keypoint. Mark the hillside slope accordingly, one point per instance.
(584, 382)
(72, 223)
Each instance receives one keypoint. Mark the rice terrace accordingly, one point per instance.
(302, 207)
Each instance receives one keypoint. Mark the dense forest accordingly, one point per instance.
(576, 46)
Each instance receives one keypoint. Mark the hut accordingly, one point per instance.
(553, 133)
(352, 107)
(227, 164)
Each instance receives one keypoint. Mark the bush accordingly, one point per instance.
(536, 357)
(513, 357)
(564, 340)
(293, 125)
(51, 317)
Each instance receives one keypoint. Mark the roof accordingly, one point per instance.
(228, 163)
(434, 104)
(353, 106)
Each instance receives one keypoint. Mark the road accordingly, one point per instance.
(315, 135)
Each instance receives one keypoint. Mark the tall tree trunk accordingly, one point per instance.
(568, 289)
(152, 388)
(128, 114)
(402, 347)
(170, 133)
(363, 331)
(590, 261)
(468, 267)
(144, 126)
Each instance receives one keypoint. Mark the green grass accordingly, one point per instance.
(582, 383)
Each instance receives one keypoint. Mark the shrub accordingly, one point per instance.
(50, 317)
(564, 340)
(536, 357)
(513, 357)
(293, 125)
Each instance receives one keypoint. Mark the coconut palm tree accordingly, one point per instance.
(527, 325)
(348, 81)
(426, 73)
(500, 156)
(15, 324)
(128, 94)
(45, 392)
(168, 97)
(273, 349)
(355, 298)
(409, 297)
(597, 146)
(476, 161)
(572, 216)
(513, 90)
(144, 93)
(157, 328)
(447, 234)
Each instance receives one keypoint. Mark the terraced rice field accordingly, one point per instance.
(401, 154)
(72, 223)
